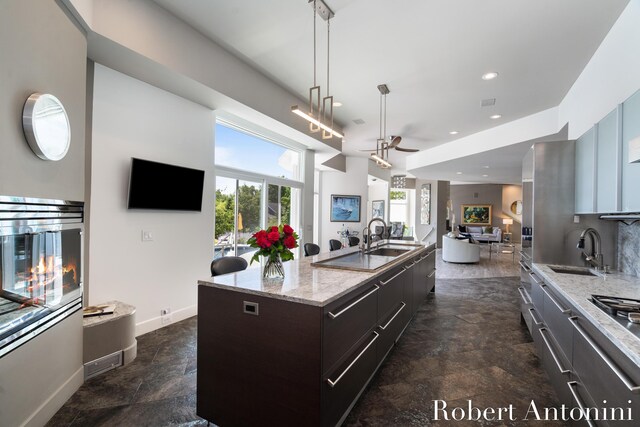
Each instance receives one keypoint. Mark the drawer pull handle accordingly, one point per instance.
(533, 276)
(524, 266)
(553, 354)
(532, 310)
(623, 377)
(375, 289)
(390, 280)
(431, 274)
(332, 383)
(394, 316)
(429, 254)
(524, 296)
(555, 302)
(572, 385)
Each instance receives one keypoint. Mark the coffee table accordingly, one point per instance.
(503, 248)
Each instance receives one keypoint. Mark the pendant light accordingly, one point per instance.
(320, 114)
(382, 146)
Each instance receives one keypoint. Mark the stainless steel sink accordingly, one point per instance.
(392, 252)
(579, 271)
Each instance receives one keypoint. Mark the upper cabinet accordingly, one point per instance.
(605, 181)
(586, 172)
(630, 171)
(608, 154)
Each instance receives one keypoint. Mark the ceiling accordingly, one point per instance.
(430, 53)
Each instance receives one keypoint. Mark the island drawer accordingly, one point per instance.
(390, 293)
(346, 321)
(390, 329)
(556, 318)
(343, 384)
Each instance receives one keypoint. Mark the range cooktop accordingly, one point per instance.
(625, 311)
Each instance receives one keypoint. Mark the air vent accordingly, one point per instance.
(489, 102)
(358, 121)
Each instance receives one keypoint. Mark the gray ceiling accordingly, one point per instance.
(431, 54)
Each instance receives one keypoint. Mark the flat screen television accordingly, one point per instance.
(161, 186)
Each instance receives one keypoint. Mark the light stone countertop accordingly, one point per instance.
(307, 284)
(578, 291)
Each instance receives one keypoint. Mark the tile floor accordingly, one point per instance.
(466, 342)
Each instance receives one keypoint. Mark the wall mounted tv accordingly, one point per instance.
(160, 186)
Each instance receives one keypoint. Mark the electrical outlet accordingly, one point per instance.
(576, 219)
(165, 311)
(147, 236)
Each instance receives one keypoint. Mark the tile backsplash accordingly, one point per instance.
(629, 248)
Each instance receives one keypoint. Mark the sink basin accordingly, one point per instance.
(392, 252)
(579, 271)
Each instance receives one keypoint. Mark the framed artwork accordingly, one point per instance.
(377, 209)
(345, 208)
(425, 204)
(476, 215)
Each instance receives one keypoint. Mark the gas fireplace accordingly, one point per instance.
(40, 266)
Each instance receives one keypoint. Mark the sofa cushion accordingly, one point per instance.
(462, 228)
(487, 230)
(472, 229)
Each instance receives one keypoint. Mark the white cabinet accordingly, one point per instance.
(608, 168)
(630, 171)
(586, 173)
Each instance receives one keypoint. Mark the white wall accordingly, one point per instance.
(351, 182)
(133, 119)
(378, 191)
(611, 76)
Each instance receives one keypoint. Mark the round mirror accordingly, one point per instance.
(516, 207)
(46, 126)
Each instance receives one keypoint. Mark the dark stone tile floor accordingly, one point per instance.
(466, 342)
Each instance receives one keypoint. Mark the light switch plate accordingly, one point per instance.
(147, 236)
(634, 150)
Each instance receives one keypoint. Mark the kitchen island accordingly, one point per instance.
(592, 357)
(300, 351)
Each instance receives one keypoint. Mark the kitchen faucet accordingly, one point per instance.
(367, 231)
(595, 259)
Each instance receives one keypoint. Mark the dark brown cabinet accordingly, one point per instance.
(289, 364)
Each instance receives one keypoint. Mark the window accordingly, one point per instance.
(254, 189)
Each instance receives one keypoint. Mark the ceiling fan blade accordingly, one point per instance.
(367, 150)
(395, 140)
(407, 150)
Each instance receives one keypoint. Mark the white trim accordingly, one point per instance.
(156, 322)
(234, 173)
(49, 407)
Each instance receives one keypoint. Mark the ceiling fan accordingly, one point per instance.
(382, 144)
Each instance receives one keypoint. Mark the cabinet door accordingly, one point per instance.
(586, 173)
(630, 171)
(608, 164)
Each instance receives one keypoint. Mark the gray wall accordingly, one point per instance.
(41, 51)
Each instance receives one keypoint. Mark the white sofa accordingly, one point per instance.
(477, 233)
(459, 251)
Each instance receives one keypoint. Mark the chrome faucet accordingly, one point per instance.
(595, 259)
(367, 231)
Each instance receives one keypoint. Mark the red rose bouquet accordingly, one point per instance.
(273, 242)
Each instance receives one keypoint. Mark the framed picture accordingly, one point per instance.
(476, 215)
(425, 204)
(377, 209)
(345, 208)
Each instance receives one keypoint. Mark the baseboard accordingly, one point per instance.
(156, 322)
(50, 406)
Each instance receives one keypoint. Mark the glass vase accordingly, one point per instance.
(273, 268)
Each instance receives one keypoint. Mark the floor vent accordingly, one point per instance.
(103, 364)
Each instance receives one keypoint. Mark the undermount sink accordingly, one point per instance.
(579, 271)
(392, 252)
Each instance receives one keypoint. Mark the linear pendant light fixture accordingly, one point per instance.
(320, 114)
(382, 146)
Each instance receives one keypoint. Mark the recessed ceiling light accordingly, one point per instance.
(485, 175)
(337, 104)
(489, 76)
(496, 116)
(458, 173)
(453, 132)
(486, 167)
